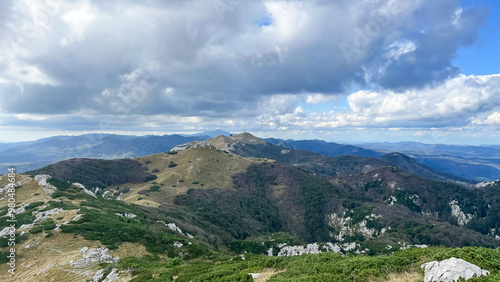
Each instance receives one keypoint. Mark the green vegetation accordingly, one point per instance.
(4, 242)
(272, 203)
(261, 244)
(154, 188)
(48, 224)
(4, 258)
(234, 214)
(36, 229)
(317, 267)
(409, 201)
(100, 222)
(62, 204)
(98, 173)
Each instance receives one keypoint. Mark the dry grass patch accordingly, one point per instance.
(194, 168)
(29, 191)
(127, 249)
(405, 277)
(48, 258)
(266, 274)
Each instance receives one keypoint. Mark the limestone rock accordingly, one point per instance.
(451, 270)
(41, 216)
(113, 276)
(98, 275)
(127, 215)
(42, 181)
(175, 228)
(6, 230)
(93, 256)
(254, 275)
(462, 218)
(8, 186)
(81, 186)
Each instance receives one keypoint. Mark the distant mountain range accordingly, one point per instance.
(328, 148)
(476, 163)
(449, 162)
(479, 163)
(32, 155)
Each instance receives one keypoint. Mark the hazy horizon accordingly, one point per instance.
(258, 134)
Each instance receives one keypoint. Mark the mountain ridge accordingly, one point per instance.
(231, 195)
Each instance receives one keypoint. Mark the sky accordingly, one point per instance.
(343, 71)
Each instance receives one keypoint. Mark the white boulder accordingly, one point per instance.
(254, 275)
(451, 270)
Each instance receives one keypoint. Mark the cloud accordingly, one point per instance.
(78, 20)
(218, 62)
(493, 119)
(318, 98)
(456, 103)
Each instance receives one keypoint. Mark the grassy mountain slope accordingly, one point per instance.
(192, 209)
(54, 226)
(220, 192)
(49, 256)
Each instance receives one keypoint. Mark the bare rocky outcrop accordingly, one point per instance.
(98, 275)
(79, 185)
(175, 228)
(8, 186)
(113, 276)
(93, 256)
(451, 270)
(462, 218)
(193, 144)
(221, 142)
(127, 215)
(41, 216)
(314, 248)
(42, 181)
(345, 226)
